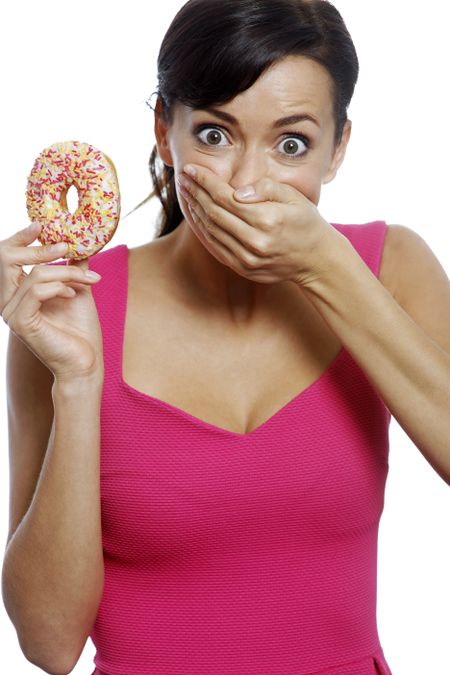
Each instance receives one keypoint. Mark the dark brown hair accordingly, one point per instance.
(216, 49)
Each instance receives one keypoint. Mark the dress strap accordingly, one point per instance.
(110, 295)
(368, 240)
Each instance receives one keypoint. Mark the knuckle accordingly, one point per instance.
(48, 251)
(43, 251)
(265, 183)
(39, 272)
(262, 246)
(5, 257)
(221, 198)
(34, 290)
(270, 221)
(250, 261)
(214, 211)
(39, 257)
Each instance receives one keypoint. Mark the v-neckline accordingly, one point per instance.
(193, 419)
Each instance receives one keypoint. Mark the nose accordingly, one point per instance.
(247, 169)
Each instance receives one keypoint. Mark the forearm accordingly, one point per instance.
(409, 370)
(53, 567)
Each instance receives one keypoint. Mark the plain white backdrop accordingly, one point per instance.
(84, 71)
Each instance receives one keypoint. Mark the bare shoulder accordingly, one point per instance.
(415, 277)
(391, 257)
(406, 260)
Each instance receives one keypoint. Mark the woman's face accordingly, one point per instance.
(255, 144)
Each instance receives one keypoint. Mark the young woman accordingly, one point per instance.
(200, 441)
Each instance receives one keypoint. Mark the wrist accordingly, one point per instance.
(333, 252)
(78, 385)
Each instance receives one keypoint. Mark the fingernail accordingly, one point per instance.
(90, 274)
(190, 170)
(184, 192)
(246, 191)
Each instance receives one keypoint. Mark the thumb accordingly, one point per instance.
(247, 193)
(268, 190)
(27, 235)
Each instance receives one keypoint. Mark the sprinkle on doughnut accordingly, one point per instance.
(94, 176)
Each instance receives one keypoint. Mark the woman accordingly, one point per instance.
(215, 412)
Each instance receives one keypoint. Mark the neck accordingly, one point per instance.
(213, 284)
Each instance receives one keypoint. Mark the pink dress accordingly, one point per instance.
(240, 554)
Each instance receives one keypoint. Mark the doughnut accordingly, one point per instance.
(94, 176)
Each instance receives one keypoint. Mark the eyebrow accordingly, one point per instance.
(283, 121)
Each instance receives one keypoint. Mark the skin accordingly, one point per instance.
(241, 155)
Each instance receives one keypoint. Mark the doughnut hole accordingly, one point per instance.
(71, 198)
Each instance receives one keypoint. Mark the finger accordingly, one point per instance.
(209, 212)
(207, 187)
(25, 236)
(215, 247)
(39, 254)
(20, 253)
(207, 180)
(15, 255)
(20, 315)
(217, 233)
(268, 190)
(240, 236)
(226, 252)
(50, 273)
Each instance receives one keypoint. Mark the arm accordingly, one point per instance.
(406, 359)
(52, 576)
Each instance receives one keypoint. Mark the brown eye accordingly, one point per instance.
(292, 146)
(212, 138)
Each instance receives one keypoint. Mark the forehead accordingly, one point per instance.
(294, 80)
(293, 84)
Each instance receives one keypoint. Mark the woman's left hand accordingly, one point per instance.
(275, 235)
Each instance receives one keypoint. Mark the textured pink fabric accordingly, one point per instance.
(240, 554)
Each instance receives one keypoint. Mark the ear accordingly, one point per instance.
(161, 135)
(339, 153)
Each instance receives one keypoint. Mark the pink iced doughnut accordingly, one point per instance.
(93, 174)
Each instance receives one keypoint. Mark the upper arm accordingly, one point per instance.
(30, 418)
(418, 282)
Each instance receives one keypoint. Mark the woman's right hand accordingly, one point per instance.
(51, 309)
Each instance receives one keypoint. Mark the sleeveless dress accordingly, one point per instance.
(240, 554)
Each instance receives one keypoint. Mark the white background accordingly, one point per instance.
(83, 71)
